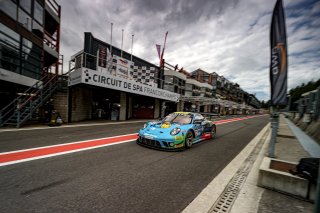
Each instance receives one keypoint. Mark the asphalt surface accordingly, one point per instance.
(119, 178)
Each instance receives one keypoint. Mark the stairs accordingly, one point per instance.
(25, 106)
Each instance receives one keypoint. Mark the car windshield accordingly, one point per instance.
(178, 118)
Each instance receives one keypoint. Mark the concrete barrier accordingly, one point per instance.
(306, 118)
(271, 177)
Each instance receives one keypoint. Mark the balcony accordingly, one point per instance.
(51, 32)
(52, 7)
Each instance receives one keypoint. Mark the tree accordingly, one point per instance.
(296, 92)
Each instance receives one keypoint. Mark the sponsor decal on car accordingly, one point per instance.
(206, 136)
(166, 125)
(178, 138)
(179, 145)
(146, 135)
(182, 113)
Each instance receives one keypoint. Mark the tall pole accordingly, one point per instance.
(274, 130)
(122, 43)
(111, 39)
(131, 46)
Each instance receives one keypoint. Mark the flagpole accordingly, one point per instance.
(131, 46)
(111, 39)
(164, 46)
(274, 120)
(122, 43)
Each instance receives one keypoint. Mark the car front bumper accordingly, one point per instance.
(169, 143)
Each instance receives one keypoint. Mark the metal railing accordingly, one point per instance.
(50, 40)
(90, 61)
(23, 107)
(54, 6)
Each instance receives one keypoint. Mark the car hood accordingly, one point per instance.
(156, 128)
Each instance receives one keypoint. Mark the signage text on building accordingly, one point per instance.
(92, 77)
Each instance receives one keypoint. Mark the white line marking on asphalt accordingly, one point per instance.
(64, 144)
(70, 126)
(61, 153)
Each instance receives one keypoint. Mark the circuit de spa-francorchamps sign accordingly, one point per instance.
(106, 80)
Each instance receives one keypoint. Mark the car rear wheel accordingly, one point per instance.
(213, 132)
(188, 140)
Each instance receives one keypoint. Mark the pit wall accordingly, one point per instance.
(307, 123)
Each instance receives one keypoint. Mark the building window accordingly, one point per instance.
(31, 59)
(168, 88)
(26, 5)
(188, 93)
(10, 8)
(188, 87)
(37, 29)
(24, 19)
(168, 79)
(9, 49)
(38, 12)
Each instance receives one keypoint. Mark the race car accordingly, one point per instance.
(178, 130)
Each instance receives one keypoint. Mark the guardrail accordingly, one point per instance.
(54, 6)
(50, 41)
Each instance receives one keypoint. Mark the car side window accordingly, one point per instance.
(198, 117)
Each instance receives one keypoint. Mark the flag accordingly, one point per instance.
(102, 56)
(158, 46)
(279, 62)
(164, 46)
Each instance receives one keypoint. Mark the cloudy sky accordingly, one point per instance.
(229, 37)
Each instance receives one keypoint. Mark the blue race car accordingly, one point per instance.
(178, 130)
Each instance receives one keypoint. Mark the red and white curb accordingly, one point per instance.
(235, 119)
(13, 157)
(19, 156)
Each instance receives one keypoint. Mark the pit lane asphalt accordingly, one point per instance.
(120, 178)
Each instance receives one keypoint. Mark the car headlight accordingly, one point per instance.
(145, 126)
(175, 131)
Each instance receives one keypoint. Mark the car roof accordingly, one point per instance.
(186, 113)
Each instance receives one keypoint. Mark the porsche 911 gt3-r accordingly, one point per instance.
(178, 130)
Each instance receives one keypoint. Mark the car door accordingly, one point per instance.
(198, 128)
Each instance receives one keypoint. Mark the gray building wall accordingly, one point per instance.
(123, 106)
(60, 103)
(81, 103)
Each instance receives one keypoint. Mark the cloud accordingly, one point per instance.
(230, 38)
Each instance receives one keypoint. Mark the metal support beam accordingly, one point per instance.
(274, 125)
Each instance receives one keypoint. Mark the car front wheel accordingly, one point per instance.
(188, 140)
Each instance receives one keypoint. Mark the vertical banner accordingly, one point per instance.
(102, 57)
(158, 46)
(164, 46)
(109, 61)
(279, 62)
